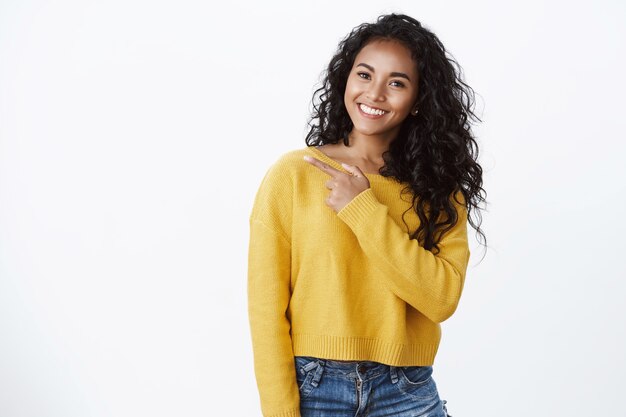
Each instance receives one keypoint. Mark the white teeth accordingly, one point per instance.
(371, 111)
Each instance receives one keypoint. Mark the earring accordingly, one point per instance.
(414, 112)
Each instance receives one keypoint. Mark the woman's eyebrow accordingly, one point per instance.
(393, 74)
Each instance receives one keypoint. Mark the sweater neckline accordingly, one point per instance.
(337, 164)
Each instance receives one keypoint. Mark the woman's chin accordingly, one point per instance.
(370, 130)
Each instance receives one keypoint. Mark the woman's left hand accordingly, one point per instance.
(343, 186)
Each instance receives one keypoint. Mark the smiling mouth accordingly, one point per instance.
(371, 111)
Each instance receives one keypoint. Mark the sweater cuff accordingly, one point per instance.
(289, 413)
(359, 209)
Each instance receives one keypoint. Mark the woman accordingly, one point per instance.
(358, 241)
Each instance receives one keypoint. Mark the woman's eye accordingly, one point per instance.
(398, 83)
(364, 75)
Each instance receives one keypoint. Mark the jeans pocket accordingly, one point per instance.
(306, 371)
(417, 381)
(416, 375)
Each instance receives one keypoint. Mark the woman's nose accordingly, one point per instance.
(375, 92)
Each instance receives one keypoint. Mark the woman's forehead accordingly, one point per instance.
(386, 55)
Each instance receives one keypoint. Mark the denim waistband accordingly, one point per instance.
(350, 368)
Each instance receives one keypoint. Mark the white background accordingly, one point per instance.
(134, 134)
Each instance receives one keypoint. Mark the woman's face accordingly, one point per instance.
(381, 89)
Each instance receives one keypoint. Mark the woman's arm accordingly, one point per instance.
(269, 269)
(432, 284)
(269, 293)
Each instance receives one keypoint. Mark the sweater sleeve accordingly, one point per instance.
(269, 293)
(430, 283)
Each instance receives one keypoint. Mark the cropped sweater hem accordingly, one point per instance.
(364, 349)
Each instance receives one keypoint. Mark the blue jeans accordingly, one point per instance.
(331, 388)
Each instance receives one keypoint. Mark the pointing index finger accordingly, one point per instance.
(323, 166)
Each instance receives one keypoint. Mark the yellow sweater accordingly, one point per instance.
(350, 285)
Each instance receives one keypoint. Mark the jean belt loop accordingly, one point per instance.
(318, 374)
(306, 368)
(394, 374)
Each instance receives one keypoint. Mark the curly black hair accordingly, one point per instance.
(435, 151)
